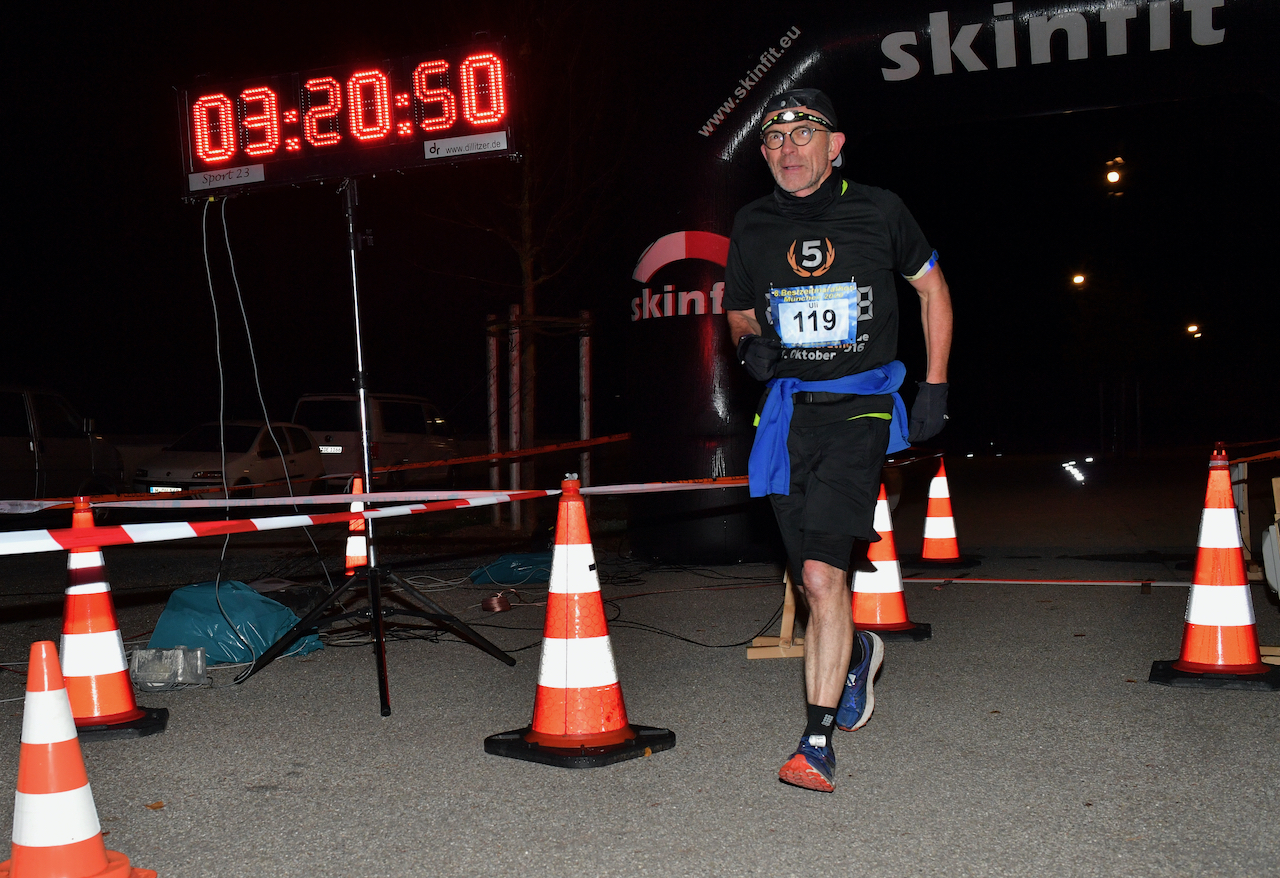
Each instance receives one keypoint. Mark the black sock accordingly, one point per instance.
(821, 721)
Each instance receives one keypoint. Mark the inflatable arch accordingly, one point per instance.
(907, 64)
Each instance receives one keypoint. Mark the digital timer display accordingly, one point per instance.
(347, 121)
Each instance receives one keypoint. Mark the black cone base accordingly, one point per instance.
(646, 742)
(155, 721)
(920, 631)
(1165, 674)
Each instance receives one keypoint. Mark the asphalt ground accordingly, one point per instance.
(1022, 739)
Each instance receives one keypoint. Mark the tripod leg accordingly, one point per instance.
(379, 638)
(304, 626)
(450, 622)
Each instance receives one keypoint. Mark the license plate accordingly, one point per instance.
(164, 489)
(330, 449)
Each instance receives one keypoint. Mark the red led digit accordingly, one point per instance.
(491, 90)
(424, 92)
(267, 121)
(318, 112)
(369, 92)
(214, 129)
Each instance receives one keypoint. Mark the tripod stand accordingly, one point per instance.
(372, 576)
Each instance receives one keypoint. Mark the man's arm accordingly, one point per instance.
(742, 323)
(935, 319)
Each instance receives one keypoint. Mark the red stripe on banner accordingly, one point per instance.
(574, 616)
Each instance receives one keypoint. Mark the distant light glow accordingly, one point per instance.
(1088, 460)
(1078, 279)
(1194, 327)
(1070, 466)
(1113, 176)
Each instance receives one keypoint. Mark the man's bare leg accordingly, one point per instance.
(828, 637)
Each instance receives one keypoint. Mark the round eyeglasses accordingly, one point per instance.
(799, 136)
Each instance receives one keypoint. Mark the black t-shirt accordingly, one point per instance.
(847, 240)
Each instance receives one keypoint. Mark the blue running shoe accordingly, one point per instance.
(858, 700)
(813, 766)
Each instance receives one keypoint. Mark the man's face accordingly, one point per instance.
(800, 170)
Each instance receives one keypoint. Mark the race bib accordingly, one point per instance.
(820, 316)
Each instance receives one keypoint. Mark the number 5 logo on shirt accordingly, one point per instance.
(813, 262)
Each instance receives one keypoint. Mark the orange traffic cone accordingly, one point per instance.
(56, 833)
(96, 671)
(1219, 640)
(939, 526)
(579, 719)
(879, 604)
(940, 545)
(357, 542)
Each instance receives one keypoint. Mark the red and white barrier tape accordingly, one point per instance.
(412, 496)
(31, 541)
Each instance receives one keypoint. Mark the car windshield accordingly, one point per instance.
(205, 438)
(329, 415)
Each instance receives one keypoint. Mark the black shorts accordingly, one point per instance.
(835, 480)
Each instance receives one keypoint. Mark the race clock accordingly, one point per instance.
(354, 120)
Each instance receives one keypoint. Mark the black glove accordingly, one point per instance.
(760, 355)
(928, 412)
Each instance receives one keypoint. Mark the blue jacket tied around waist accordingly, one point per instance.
(769, 468)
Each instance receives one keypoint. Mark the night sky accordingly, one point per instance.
(108, 302)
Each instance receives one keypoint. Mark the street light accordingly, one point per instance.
(1078, 280)
(1194, 330)
(1114, 167)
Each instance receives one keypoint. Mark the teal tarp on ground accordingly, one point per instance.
(192, 618)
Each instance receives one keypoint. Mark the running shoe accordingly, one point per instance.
(858, 700)
(813, 766)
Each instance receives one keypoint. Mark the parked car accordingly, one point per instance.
(402, 429)
(252, 457)
(48, 450)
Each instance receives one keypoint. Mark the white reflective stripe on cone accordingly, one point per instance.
(571, 571)
(86, 655)
(578, 663)
(887, 579)
(882, 523)
(81, 560)
(1221, 605)
(47, 718)
(939, 527)
(89, 588)
(938, 488)
(46, 820)
(1219, 529)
